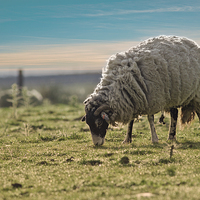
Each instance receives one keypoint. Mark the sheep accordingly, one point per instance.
(159, 74)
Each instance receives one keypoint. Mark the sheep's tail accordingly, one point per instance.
(187, 114)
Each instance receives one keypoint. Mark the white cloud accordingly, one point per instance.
(159, 10)
(61, 58)
(68, 57)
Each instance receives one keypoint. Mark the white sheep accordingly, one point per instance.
(160, 74)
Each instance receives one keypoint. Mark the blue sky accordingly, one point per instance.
(64, 36)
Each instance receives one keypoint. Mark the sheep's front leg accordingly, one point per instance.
(154, 137)
(129, 133)
(172, 130)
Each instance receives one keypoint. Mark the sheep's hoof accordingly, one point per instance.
(171, 137)
(127, 141)
(154, 140)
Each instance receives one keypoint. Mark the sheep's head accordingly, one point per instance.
(98, 121)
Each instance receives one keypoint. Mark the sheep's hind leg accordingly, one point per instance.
(172, 130)
(161, 119)
(198, 114)
(128, 138)
(154, 137)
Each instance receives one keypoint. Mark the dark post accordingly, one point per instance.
(20, 80)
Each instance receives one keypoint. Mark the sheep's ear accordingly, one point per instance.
(105, 116)
(83, 118)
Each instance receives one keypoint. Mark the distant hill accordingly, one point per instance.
(37, 81)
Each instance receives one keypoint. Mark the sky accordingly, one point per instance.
(45, 37)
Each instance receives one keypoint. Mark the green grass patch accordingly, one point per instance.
(47, 153)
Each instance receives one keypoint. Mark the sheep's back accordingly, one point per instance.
(158, 74)
(170, 67)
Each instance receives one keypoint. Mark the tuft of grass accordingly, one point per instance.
(91, 162)
(124, 160)
(171, 171)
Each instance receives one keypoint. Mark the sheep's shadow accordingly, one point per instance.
(187, 144)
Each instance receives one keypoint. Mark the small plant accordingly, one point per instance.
(27, 128)
(73, 100)
(15, 98)
(171, 151)
(26, 97)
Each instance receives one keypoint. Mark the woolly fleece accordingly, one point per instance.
(158, 74)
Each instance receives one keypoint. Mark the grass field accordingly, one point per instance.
(47, 153)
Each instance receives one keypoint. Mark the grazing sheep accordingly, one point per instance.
(160, 74)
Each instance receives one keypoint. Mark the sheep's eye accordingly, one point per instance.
(98, 122)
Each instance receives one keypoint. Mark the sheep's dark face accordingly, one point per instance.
(98, 126)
